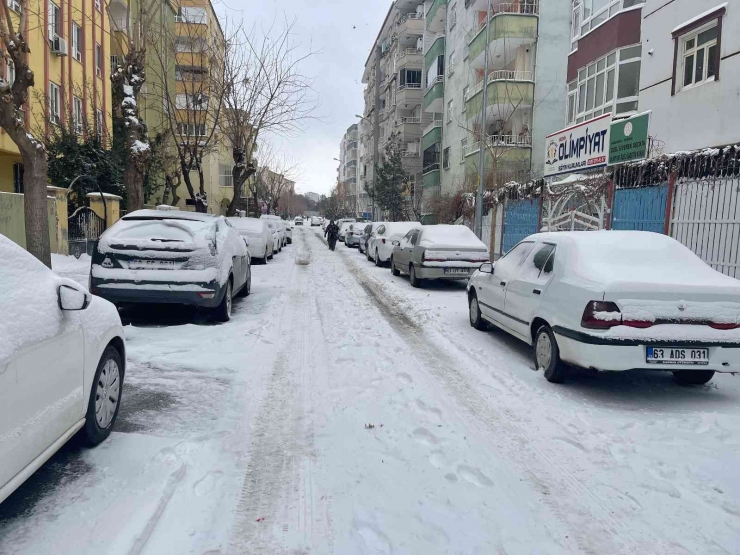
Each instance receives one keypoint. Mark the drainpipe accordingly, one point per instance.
(484, 136)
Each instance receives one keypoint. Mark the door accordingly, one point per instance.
(526, 288)
(42, 392)
(402, 254)
(492, 293)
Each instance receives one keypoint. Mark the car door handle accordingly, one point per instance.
(537, 291)
(503, 283)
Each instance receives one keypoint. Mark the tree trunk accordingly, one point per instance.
(35, 205)
(201, 199)
(133, 179)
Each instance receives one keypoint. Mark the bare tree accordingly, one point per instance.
(275, 177)
(264, 92)
(13, 121)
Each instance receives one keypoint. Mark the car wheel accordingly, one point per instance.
(222, 312)
(247, 289)
(367, 255)
(693, 377)
(547, 356)
(394, 270)
(105, 397)
(476, 319)
(377, 259)
(415, 281)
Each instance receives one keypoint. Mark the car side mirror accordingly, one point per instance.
(486, 268)
(246, 241)
(396, 243)
(71, 298)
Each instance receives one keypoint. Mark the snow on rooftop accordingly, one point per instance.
(700, 16)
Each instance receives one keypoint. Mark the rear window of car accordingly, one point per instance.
(381, 230)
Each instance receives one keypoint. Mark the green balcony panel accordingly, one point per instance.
(436, 95)
(430, 179)
(432, 13)
(504, 26)
(515, 158)
(437, 49)
(434, 136)
(512, 94)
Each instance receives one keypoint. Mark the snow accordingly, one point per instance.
(675, 332)
(253, 226)
(106, 195)
(139, 146)
(128, 90)
(343, 411)
(652, 310)
(399, 228)
(700, 16)
(450, 237)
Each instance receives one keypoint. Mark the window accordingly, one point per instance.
(453, 16)
(463, 146)
(449, 112)
(15, 5)
(515, 257)
(589, 14)
(446, 158)
(431, 158)
(10, 72)
(55, 21)
(192, 15)
(77, 42)
(185, 44)
(98, 5)
(191, 129)
(77, 115)
(466, 88)
(225, 177)
(54, 103)
(98, 60)
(699, 56)
(99, 123)
(544, 259)
(115, 62)
(187, 73)
(195, 101)
(18, 178)
(410, 78)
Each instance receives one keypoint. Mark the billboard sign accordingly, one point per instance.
(629, 139)
(579, 148)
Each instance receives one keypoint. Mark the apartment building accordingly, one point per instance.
(69, 40)
(348, 171)
(527, 43)
(691, 72)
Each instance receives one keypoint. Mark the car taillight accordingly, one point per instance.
(601, 315)
(718, 326)
(383, 241)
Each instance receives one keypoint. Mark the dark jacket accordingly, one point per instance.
(332, 231)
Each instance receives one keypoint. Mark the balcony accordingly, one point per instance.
(501, 75)
(410, 24)
(436, 16)
(512, 25)
(430, 175)
(503, 98)
(409, 95)
(501, 143)
(409, 127)
(431, 135)
(409, 57)
(435, 95)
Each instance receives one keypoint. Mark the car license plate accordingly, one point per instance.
(680, 355)
(457, 271)
(152, 265)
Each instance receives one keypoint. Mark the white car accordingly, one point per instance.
(368, 235)
(341, 225)
(62, 364)
(612, 301)
(298, 221)
(380, 244)
(288, 226)
(276, 233)
(344, 228)
(259, 236)
(315, 221)
(277, 223)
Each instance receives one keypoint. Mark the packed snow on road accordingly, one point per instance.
(342, 411)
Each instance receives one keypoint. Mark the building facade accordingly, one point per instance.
(70, 41)
(348, 171)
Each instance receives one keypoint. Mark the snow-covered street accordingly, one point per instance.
(342, 411)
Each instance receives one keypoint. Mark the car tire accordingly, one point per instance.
(108, 379)
(222, 313)
(247, 289)
(476, 319)
(377, 261)
(547, 355)
(395, 271)
(415, 281)
(367, 255)
(693, 377)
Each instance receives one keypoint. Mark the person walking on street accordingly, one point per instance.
(332, 233)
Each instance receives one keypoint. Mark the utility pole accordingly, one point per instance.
(484, 136)
(376, 123)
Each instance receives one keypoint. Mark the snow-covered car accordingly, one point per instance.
(174, 257)
(62, 364)
(315, 221)
(298, 221)
(354, 234)
(612, 301)
(278, 225)
(343, 225)
(450, 252)
(288, 226)
(259, 236)
(380, 244)
(276, 236)
(367, 234)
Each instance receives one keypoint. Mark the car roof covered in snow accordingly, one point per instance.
(400, 228)
(147, 214)
(248, 224)
(450, 236)
(634, 259)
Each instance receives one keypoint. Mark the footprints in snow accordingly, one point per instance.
(425, 437)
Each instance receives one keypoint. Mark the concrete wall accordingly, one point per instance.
(13, 226)
(704, 115)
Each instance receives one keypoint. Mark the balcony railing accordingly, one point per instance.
(408, 52)
(410, 154)
(412, 15)
(434, 166)
(435, 123)
(409, 119)
(450, 68)
(414, 86)
(501, 75)
(437, 80)
(523, 7)
(503, 141)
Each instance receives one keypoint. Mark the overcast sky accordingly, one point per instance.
(342, 31)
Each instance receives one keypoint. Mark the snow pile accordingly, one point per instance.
(450, 237)
(683, 311)
(174, 235)
(393, 229)
(139, 146)
(28, 305)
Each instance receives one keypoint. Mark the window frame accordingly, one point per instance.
(77, 39)
(55, 22)
(446, 155)
(682, 53)
(55, 99)
(15, 5)
(99, 123)
(222, 173)
(586, 23)
(98, 60)
(77, 115)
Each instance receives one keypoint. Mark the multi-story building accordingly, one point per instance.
(526, 42)
(69, 41)
(348, 168)
(687, 46)
(313, 197)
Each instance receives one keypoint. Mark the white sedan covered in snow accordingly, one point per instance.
(62, 362)
(258, 235)
(173, 257)
(380, 244)
(612, 301)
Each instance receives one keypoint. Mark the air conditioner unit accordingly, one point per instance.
(59, 46)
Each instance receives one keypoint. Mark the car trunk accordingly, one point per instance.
(452, 256)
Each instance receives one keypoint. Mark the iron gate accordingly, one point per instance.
(640, 209)
(85, 228)
(521, 219)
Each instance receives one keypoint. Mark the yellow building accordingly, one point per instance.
(70, 46)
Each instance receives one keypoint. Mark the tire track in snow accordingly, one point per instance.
(591, 522)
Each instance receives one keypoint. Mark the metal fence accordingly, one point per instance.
(85, 227)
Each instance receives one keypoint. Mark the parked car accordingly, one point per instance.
(367, 233)
(259, 237)
(315, 221)
(612, 301)
(354, 234)
(154, 256)
(276, 235)
(279, 227)
(448, 252)
(342, 227)
(288, 226)
(298, 221)
(62, 365)
(380, 244)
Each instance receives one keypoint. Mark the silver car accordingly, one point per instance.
(355, 234)
(449, 252)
